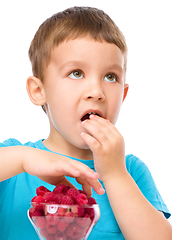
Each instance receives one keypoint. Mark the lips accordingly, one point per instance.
(87, 114)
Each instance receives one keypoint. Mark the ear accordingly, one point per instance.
(126, 87)
(35, 91)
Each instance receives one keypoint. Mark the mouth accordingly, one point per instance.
(88, 113)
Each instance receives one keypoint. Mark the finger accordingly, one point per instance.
(88, 178)
(66, 182)
(93, 144)
(104, 122)
(88, 183)
(101, 130)
(96, 129)
(67, 168)
(85, 170)
(73, 168)
(96, 185)
(85, 186)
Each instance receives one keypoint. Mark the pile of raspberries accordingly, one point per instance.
(68, 222)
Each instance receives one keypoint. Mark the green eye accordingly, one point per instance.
(77, 74)
(110, 77)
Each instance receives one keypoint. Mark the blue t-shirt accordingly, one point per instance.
(17, 192)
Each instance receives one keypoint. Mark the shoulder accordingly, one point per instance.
(14, 142)
(136, 167)
(10, 142)
(132, 160)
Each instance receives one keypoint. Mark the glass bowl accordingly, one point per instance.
(63, 222)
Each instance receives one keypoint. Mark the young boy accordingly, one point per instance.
(79, 59)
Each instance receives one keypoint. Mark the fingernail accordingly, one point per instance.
(84, 121)
(102, 190)
(92, 116)
(95, 173)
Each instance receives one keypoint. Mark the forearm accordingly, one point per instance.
(48, 166)
(136, 217)
(11, 161)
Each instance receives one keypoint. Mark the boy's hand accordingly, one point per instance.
(53, 168)
(107, 146)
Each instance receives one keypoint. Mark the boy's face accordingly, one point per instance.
(83, 76)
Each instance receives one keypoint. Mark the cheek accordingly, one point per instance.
(61, 110)
(114, 109)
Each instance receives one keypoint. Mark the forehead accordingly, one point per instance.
(86, 51)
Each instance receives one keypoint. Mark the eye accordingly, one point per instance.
(110, 77)
(76, 74)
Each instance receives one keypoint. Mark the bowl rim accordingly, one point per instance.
(65, 206)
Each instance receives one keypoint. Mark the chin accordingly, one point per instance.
(81, 145)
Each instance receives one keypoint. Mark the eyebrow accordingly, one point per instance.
(116, 66)
(81, 63)
(72, 63)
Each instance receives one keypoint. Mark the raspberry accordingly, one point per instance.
(81, 199)
(58, 198)
(73, 231)
(48, 196)
(81, 191)
(90, 212)
(37, 202)
(60, 236)
(69, 217)
(33, 212)
(58, 222)
(61, 211)
(91, 201)
(41, 222)
(77, 211)
(44, 233)
(61, 188)
(52, 219)
(66, 200)
(51, 202)
(51, 229)
(41, 190)
(62, 225)
(83, 221)
(72, 192)
(51, 237)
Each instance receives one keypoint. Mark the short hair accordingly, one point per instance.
(70, 24)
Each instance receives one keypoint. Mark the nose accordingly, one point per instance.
(94, 91)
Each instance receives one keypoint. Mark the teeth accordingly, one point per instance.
(92, 113)
(86, 116)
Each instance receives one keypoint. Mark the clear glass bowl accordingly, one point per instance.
(63, 222)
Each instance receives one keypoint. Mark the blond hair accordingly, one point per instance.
(70, 24)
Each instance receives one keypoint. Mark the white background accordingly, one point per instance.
(146, 116)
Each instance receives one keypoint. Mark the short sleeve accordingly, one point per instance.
(10, 142)
(7, 191)
(144, 180)
(4, 185)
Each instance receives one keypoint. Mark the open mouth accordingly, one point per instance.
(87, 116)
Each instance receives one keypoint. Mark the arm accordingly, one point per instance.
(48, 166)
(136, 217)
(10, 162)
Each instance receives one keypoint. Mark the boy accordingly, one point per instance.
(79, 59)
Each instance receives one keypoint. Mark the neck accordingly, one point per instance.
(62, 146)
